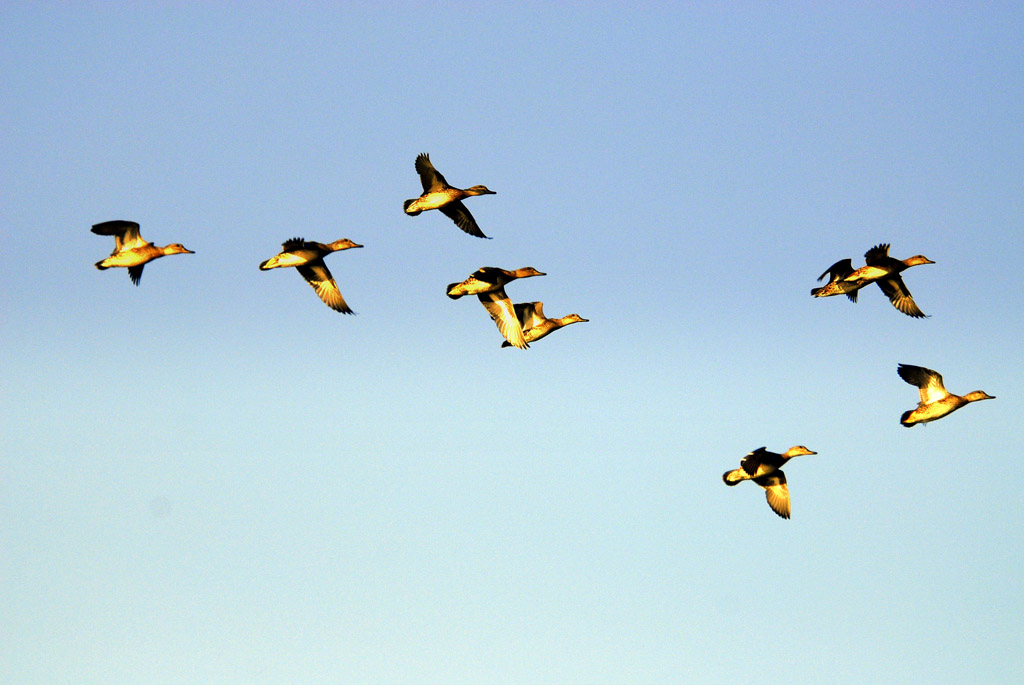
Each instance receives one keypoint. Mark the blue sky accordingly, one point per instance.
(215, 478)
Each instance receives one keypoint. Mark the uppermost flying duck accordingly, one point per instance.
(488, 284)
(438, 194)
(130, 249)
(880, 268)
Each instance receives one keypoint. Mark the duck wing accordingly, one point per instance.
(503, 313)
(319, 276)
(896, 290)
(126, 233)
(776, 492)
(530, 314)
(292, 244)
(135, 273)
(878, 256)
(457, 212)
(929, 382)
(752, 462)
(430, 177)
(839, 270)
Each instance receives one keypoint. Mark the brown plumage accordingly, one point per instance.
(936, 401)
(439, 194)
(765, 469)
(488, 284)
(879, 268)
(130, 249)
(307, 257)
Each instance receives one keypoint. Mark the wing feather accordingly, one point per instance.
(319, 277)
(503, 313)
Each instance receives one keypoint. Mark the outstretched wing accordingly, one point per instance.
(929, 382)
(841, 269)
(430, 177)
(126, 233)
(530, 314)
(878, 256)
(503, 313)
(319, 276)
(776, 492)
(457, 212)
(896, 290)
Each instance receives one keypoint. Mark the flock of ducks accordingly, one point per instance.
(765, 468)
(523, 323)
(520, 324)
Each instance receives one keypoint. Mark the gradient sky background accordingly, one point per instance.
(215, 478)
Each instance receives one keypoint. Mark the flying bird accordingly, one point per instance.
(131, 249)
(535, 325)
(936, 401)
(308, 259)
(765, 469)
(879, 268)
(438, 194)
(488, 284)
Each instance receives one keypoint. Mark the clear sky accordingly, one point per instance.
(214, 478)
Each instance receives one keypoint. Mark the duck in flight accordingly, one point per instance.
(488, 284)
(936, 401)
(438, 194)
(765, 469)
(535, 325)
(879, 268)
(308, 259)
(131, 249)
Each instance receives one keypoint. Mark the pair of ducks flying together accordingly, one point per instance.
(765, 468)
(132, 251)
(879, 268)
(519, 324)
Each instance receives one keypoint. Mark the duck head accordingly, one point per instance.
(177, 248)
(797, 451)
(528, 271)
(917, 259)
(978, 395)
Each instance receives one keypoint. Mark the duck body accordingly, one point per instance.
(936, 402)
(879, 268)
(307, 257)
(488, 284)
(535, 325)
(130, 249)
(439, 194)
(838, 285)
(487, 279)
(765, 469)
